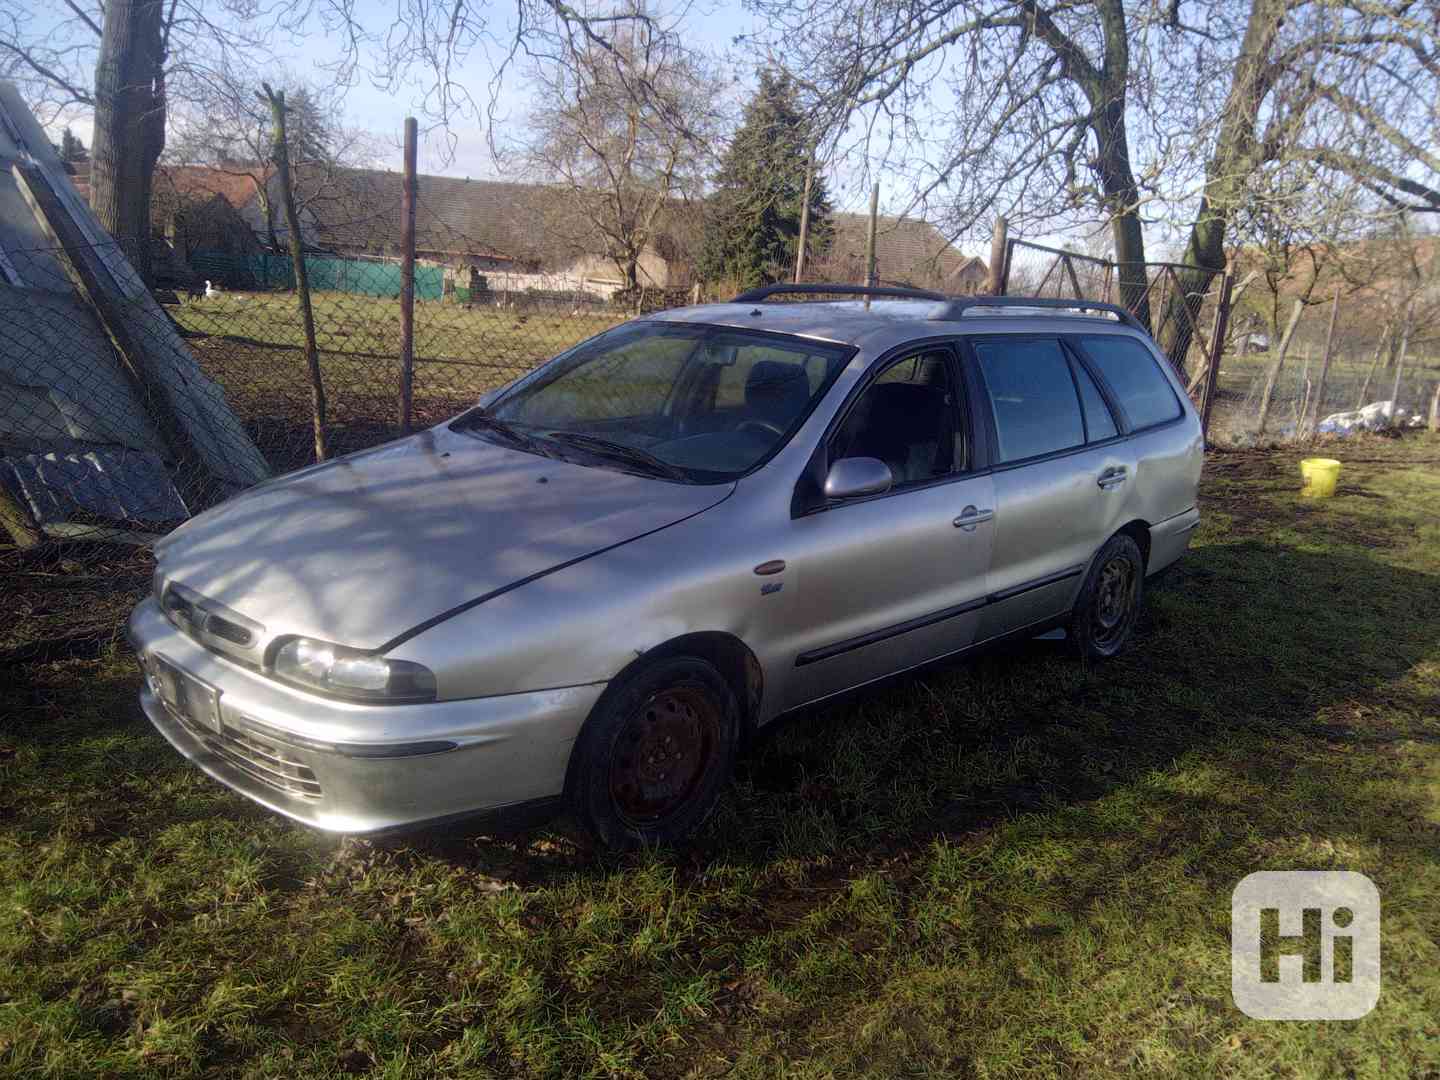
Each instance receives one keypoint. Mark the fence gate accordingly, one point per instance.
(1039, 271)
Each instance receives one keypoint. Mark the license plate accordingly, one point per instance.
(186, 696)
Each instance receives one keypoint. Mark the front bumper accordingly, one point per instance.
(362, 768)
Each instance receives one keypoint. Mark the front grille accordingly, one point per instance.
(267, 760)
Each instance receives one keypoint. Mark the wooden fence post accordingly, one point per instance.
(1313, 419)
(870, 238)
(1274, 374)
(280, 155)
(804, 219)
(407, 278)
(1400, 363)
(999, 251)
(1217, 349)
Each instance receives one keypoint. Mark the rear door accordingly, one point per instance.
(1167, 448)
(1062, 467)
(895, 579)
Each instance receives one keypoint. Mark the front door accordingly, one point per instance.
(893, 580)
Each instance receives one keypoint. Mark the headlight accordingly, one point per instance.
(351, 673)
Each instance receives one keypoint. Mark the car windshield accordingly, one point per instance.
(679, 401)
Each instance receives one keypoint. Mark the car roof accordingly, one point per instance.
(887, 321)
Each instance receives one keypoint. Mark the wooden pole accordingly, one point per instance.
(870, 238)
(280, 156)
(1217, 348)
(1274, 374)
(1400, 363)
(1374, 363)
(804, 219)
(1319, 401)
(999, 250)
(1302, 409)
(407, 278)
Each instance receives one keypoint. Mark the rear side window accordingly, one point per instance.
(1032, 397)
(1131, 372)
(1099, 424)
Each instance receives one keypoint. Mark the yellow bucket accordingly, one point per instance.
(1321, 475)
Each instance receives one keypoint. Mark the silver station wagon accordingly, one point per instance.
(587, 590)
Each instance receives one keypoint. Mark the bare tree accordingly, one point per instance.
(625, 133)
(1053, 111)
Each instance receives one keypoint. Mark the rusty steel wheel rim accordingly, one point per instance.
(1114, 601)
(663, 753)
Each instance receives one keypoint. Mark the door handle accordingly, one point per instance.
(970, 517)
(1113, 477)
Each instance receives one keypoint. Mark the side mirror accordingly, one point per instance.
(853, 477)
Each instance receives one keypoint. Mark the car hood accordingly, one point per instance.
(359, 550)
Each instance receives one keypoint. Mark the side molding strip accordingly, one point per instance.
(827, 652)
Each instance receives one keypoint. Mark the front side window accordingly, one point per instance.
(677, 400)
(1032, 397)
(1131, 372)
(906, 419)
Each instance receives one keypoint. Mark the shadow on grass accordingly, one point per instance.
(1242, 639)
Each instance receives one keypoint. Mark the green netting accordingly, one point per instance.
(327, 274)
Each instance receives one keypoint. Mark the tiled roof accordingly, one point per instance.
(235, 187)
(906, 249)
(359, 210)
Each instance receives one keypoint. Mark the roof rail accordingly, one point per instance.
(764, 292)
(955, 307)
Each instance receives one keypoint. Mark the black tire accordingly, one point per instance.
(1110, 600)
(655, 755)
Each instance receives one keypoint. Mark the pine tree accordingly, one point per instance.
(71, 148)
(753, 220)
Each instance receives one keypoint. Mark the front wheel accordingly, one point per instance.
(654, 757)
(1109, 601)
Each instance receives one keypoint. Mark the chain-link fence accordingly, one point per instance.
(122, 414)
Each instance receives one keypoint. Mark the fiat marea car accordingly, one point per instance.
(588, 589)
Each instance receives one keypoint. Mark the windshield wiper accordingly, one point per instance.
(624, 451)
(505, 429)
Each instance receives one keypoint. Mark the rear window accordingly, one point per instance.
(1032, 397)
(1131, 372)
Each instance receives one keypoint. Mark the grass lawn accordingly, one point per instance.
(1015, 867)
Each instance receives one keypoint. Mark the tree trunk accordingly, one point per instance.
(129, 124)
(280, 154)
(1236, 153)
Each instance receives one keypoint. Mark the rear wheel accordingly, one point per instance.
(1109, 601)
(654, 757)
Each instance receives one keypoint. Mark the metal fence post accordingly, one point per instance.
(407, 278)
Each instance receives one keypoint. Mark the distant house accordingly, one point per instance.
(201, 209)
(492, 234)
(908, 251)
